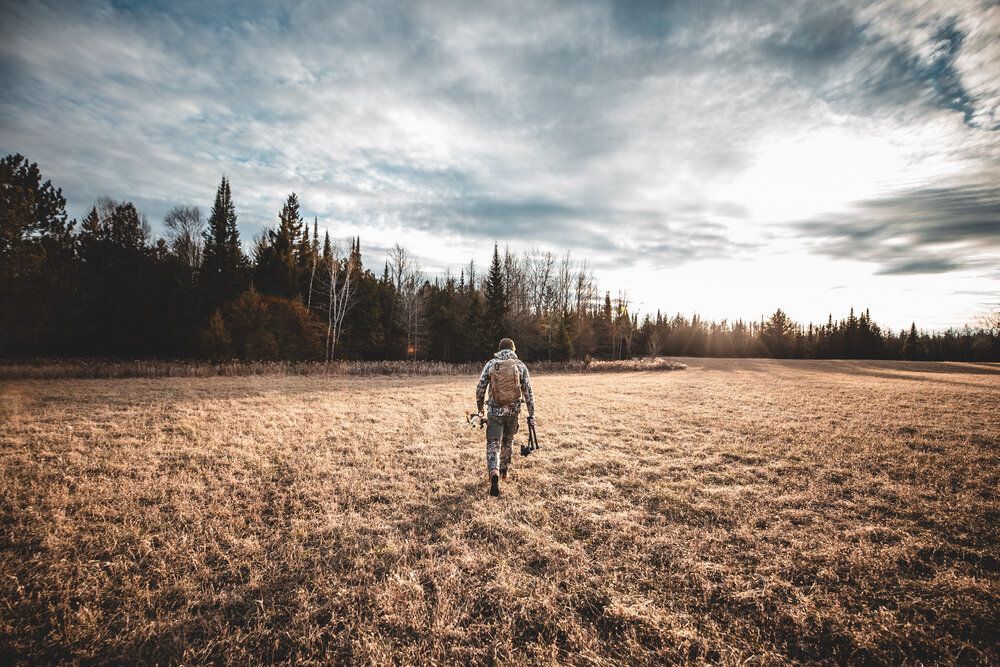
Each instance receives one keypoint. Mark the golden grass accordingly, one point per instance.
(771, 511)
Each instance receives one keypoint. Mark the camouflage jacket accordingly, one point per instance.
(484, 382)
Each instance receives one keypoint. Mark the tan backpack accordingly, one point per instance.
(505, 382)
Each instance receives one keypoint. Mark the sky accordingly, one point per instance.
(720, 158)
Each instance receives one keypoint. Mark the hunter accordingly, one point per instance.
(507, 378)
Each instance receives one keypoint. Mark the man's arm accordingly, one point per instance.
(529, 396)
(484, 381)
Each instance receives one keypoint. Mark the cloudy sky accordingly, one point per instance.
(724, 158)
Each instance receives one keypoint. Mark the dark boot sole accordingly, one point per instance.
(494, 485)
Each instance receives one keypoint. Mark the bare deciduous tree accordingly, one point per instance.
(184, 231)
(412, 298)
(989, 322)
(337, 275)
(621, 327)
(540, 275)
(399, 264)
(314, 262)
(470, 274)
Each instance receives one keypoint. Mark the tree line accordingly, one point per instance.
(104, 286)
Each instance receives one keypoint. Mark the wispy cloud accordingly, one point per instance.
(924, 230)
(644, 134)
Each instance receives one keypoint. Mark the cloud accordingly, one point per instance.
(925, 230)
(919, 266)
(622, 130)
(816, 41)
(858, 61)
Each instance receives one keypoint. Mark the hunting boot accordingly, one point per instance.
(494, 483)
(503, 474)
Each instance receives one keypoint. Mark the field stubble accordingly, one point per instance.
(765, 510)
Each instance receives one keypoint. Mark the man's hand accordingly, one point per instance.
(531, 420)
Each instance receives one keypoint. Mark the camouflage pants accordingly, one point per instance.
(499, 439)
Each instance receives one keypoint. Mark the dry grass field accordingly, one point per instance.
(738, 511)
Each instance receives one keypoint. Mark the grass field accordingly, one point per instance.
(740, 510)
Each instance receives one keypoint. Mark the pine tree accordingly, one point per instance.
(356, 253)
(279, 262)
(223, 268)
(120, 282)
(475, 342)
(443, 319)
(304, 250)
(777, 334)
(564, 341)
(38, 288)
(311, 267)
(289, 224)
(29, 209)
(605, 329)
(496, 300)
(389, 325)
(913, 348)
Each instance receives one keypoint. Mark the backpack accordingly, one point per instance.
(505, 382)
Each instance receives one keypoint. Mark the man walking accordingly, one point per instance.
(507, 378)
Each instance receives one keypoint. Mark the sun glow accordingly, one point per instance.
(796, 178)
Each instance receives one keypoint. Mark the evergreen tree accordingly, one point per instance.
(564, 341)
(912, 345)
(391, 332)
(223, 269)
(496, 300)
(777, 335)
(604, 329)
(29, 209)
(309, 265)
(475, 342)
(355, 257)
(37, 262)
(362, 337)
(281, 255)
(443, 322)
(303, 251)
(123, 283)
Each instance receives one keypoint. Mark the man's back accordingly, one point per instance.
(504, 375)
